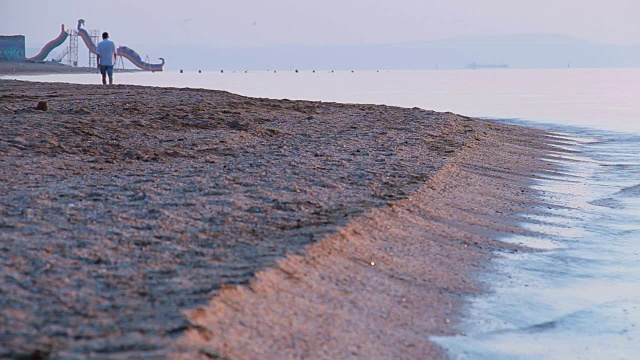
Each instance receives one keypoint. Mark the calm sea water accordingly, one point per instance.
(578, 298)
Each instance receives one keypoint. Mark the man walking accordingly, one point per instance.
(106, 52)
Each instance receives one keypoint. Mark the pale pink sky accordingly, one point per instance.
(269, 22)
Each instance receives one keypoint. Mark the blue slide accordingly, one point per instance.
(42, 55)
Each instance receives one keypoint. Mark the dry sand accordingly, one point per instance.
(140, 222)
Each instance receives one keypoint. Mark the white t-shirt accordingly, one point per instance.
(106, 49)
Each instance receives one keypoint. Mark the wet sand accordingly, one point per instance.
(162, 223)
(8, 68)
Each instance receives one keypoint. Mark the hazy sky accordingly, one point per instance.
(268, 22)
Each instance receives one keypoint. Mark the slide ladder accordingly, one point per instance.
(61, 55)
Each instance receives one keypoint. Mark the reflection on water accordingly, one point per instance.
(580, 297)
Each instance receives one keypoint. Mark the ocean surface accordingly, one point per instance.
(578, 297)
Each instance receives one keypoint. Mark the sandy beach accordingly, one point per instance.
(141, 222)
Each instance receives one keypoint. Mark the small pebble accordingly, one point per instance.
(43, 106)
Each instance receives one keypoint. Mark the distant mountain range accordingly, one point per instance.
(515, 51)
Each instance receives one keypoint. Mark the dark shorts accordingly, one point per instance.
(106, 69)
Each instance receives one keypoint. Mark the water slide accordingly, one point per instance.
(123, 51)
(135, 59)
(86, 37)
(42, 55)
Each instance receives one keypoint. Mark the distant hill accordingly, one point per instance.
(528, 51)
(516, 51)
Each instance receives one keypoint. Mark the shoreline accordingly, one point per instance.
(8, 68)
(178, 212)
(389, 280)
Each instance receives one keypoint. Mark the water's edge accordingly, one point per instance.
(580, 296)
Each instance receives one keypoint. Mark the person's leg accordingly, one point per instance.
(110, 72)
(103, 71)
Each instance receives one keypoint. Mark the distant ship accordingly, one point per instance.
(473, 65)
